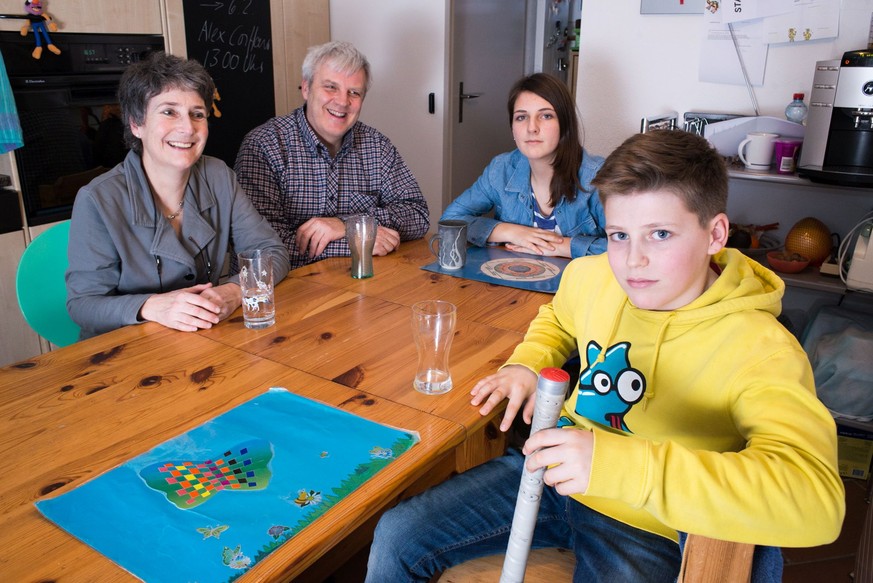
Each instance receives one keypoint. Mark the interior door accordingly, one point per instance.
(487, 57)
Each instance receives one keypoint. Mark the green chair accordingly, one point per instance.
(41, 289)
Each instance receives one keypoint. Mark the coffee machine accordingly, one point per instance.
(838, 145)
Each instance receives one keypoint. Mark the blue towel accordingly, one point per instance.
(10, 128)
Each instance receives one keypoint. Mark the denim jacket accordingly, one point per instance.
(505, 188)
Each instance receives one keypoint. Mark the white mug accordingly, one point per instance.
(756, 151)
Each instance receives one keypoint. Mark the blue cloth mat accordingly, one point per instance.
(209, 504)
(10, 127)
(502, 267)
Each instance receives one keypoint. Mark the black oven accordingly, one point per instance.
(69, 113)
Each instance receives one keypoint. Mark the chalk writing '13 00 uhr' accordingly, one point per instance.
(226, 59)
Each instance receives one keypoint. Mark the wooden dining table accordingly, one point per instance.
(72, 414)
(358, 333)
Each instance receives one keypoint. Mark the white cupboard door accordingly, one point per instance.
(113, 16)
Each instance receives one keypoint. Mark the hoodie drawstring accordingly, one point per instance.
(662, 331)
(601, 356)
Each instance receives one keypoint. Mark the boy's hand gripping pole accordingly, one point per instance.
(551, 391)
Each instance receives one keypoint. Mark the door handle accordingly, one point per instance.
(461, 98)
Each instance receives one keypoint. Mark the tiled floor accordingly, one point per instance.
(835, 562)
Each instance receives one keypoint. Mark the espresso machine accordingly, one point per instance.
(838, 145)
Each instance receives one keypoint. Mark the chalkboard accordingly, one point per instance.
(233, 40)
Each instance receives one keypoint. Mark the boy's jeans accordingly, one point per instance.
(470, 516)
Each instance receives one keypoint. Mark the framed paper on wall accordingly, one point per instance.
(673, 6)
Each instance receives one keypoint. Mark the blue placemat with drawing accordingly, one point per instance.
(501, 267)
(209, 504)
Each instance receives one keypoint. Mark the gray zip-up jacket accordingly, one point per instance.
(122, 251)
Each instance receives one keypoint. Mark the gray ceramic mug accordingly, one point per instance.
(452, 236)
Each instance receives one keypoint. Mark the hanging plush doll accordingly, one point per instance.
(215, 99)
(40, 23)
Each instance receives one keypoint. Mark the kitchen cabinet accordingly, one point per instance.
(117, 16)
(17, 340)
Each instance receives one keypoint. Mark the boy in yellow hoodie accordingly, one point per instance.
(695, 410)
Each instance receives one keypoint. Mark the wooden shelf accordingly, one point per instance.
(793, 189)
(810, 278)
(791, 180)
(768, 176)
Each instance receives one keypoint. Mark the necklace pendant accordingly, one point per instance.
(172, 216)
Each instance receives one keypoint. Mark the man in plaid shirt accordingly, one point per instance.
(307, 170)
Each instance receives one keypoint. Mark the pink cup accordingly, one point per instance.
(786, 150)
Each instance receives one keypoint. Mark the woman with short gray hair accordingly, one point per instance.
(148, 238)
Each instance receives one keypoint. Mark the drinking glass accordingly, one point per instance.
(256, 282)
(433, 327)
(361, 235)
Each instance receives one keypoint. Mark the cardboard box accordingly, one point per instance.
(855, 451)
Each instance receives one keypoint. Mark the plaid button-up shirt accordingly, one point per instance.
(291, 177)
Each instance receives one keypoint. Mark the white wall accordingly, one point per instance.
(633, 66)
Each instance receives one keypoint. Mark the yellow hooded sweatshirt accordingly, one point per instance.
(705, 418)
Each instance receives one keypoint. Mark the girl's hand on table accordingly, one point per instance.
(515, 383)
(528, 239)
(561, 249)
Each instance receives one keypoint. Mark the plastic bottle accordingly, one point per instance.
(796, 110)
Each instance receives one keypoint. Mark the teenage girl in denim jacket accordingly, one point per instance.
(541, 193)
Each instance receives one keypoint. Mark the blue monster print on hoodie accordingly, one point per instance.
(608, 387)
